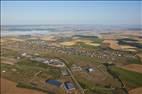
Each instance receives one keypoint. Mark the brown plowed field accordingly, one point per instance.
(136, 91)
(133, 67)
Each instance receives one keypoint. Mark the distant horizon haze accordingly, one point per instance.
(71, 12)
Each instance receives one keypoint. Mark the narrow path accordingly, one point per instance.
(36, 74)
(69, 70)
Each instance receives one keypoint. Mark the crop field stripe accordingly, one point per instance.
(134, 78)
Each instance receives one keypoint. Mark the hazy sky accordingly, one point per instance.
(71, 12)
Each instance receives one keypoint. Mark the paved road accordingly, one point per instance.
(73, 78)
(76, 82)
(68, 69)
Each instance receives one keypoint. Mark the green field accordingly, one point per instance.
(84, 45)
(23, 73)
(92, 88)
(130, 78)
(26, 69)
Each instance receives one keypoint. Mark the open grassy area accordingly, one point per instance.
(24, 71)
(20, 73)
(93, 38)
(29, 86)
(9, 53)
(92, 88)
(131, 79)
(134, 61)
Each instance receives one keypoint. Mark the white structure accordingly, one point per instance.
(56, 63)
(76, 68)
(90, 69)
(46, 62)
(36, 54)
(38, 59)
(119, 54)
(3, 71)
(18, 57)
(23, 54)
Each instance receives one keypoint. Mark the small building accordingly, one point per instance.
(75, 67)
(46, 62)
(18, 57)
(54, 82)
(56, 63)
(38, 59)
(23, 54)
(26, 55)
(69, 87)
(90, 69)
(119, 55)
(3, 71)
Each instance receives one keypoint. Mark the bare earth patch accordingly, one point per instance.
(16, 39)
(10, 61)
(48, 38)
(2, 40)
(113, 44)
(127, 47)
(9, 87)
(7, 62)
(133, 67)
(70, 43)
(136, 91)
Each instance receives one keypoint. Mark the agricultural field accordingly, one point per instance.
(24, 72)
(126, 41)
(136, 91)
(75, 47)
(83, 41)
(9, 87)
(133, 67)
(82, 51)
(131, 78)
